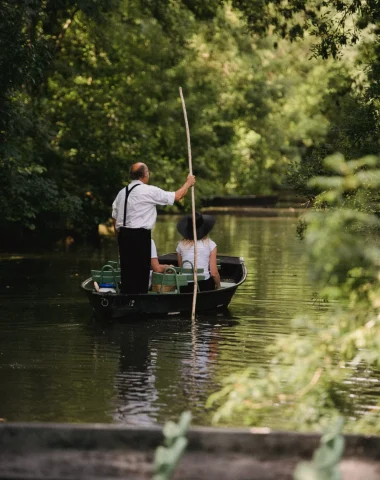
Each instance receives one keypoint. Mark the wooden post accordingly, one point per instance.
(192, 207)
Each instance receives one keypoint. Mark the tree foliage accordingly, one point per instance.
(93, 87)
(333, 23)
(32, 33)
(90, 87)
(309, 376)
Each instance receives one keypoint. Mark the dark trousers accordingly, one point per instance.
(135, 255)
(204, 285)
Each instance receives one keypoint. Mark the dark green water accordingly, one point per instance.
(57, 365)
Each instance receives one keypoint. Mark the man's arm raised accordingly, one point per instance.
(181, 192)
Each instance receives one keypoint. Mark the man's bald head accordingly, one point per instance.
(138, 171)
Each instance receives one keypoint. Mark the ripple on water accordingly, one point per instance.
(58, 365)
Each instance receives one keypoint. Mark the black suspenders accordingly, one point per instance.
(127, 193)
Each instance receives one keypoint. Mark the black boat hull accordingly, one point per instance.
(111, 306)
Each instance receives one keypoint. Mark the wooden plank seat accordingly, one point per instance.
(97, 276)
(189, 273)
(115, 265)
(188, 270)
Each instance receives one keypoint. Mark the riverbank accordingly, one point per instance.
(100, 451)
(282, 199)
(238, 211)
(256, 211)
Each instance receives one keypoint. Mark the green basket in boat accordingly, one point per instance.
(169, 281)
(189, 271)
(115, 265)
(107, 275)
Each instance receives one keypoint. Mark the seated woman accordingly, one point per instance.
(206, 250)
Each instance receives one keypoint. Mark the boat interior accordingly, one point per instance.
(107, 279)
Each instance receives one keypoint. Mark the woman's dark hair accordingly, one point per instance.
(137, 174)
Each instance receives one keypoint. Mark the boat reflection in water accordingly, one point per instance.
(149, 377)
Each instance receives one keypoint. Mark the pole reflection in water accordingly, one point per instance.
(150, 377)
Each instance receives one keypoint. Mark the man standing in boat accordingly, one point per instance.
(134, 215)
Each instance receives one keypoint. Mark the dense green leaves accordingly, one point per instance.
(333, 23)
(308, 375)
(91, 87)
(92, 90)
(31, 38)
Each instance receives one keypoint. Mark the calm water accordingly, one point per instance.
(56, 364)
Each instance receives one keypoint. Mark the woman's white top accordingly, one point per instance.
(153, 249)
(153, 254)
(204, 249)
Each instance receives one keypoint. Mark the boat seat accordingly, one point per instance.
(114, 264)
(189, 273)
(188, 270)
(98, 276)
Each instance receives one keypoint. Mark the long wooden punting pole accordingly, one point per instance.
(192, 206)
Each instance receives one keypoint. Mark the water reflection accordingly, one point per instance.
(56, 365)
(163, 362)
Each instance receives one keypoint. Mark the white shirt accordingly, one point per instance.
(153, 254)
(204, 249)
(153, 249)
(141, 205)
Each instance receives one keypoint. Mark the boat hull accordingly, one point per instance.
(111, 306)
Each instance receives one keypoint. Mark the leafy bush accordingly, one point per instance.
(308, 379)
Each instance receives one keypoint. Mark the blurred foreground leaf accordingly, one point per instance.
(168, 455)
